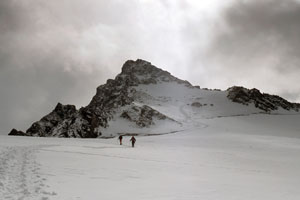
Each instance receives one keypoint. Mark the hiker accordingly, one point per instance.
(132, 140)
(120, 138)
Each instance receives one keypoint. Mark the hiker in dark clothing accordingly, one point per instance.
(120, 138)
(132, 140)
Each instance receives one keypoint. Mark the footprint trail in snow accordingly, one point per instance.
(19, 175)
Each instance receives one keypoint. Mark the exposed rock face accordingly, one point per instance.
(262, 101)
(143, 116)
(17, 133)
(142, 72)
(56, 123)
(87, 122)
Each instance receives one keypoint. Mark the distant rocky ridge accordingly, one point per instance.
(265, 102)
(90, 121)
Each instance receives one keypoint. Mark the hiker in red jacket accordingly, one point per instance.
(120, 138)
(132, 140)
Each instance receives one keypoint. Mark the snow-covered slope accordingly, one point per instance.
(146, 100)
(233, 157)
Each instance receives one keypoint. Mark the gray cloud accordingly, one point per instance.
(52, 52)
(60, 51)
(261, 29)
(255, 44)
(9, 20)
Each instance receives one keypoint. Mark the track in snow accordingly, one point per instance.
(188, 119)
(19, 175)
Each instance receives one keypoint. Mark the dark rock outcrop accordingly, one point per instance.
(142, 72)
(143, 116)
(17, 133)
(265, 102)
(62, 117)
(196, 104)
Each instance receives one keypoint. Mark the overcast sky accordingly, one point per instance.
(61, 50)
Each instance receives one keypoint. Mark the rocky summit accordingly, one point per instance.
(144, 99)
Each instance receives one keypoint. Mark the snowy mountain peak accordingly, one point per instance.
(139, 66)
(146, 100)
(143, 72)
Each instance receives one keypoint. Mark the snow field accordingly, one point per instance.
(221, 150)
(240, 161)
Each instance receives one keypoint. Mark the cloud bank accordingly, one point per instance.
(60, 51)
(255, 44)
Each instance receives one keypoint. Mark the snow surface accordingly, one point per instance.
(240, 157)
(220, 150)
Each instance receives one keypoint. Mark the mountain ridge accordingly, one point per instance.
(133, 99)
